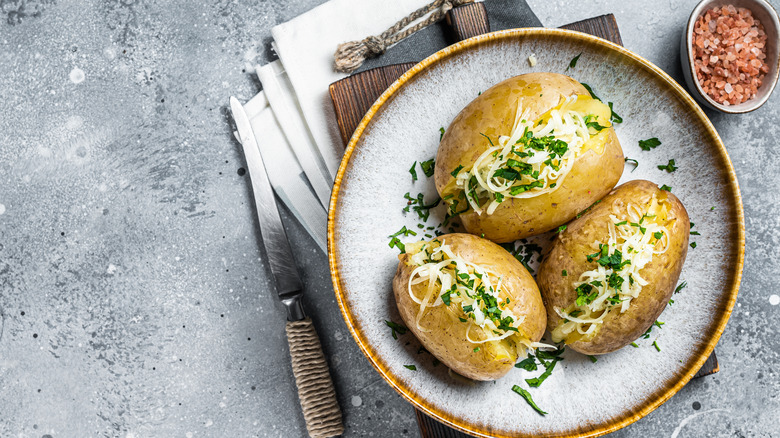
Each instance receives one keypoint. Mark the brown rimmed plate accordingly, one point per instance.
(582, 398)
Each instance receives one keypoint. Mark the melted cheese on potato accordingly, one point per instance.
(616, 280)
(536, 156)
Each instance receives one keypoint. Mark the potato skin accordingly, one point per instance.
(446, 335)
(572, 245)
(492, 113)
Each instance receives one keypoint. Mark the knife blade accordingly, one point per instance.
(316, 391)
(277, 247)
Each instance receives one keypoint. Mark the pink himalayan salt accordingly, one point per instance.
(728, 46)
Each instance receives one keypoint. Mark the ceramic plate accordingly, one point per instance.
(582, 398)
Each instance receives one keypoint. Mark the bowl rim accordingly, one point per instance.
(730, 109)
(418, 400)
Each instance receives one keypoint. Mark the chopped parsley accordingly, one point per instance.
(585, 294)
(396, 328)
(655, 344)
(573, 62)
(403, 231)
(632, 161)
(712, 208)
(457, 170)
(428, 167)
(593, 358)
(564, 273)
(591, 123)
(413, 171)
(524, 253)
(396, 242)
(614, 117)
(562, 228)
(488, 139)
(410, 367)
(537, 381)
(693, 244)
(681, 286)
(695, 233)
(587, 209)
(441, 133)
(590, 90)
(553, 357)
(527, 396)
(447, 298)
(666, 188)
(633, 344)
(419, 206)
(476, 349)
(670, 167)
(528, 364)
(650, 143)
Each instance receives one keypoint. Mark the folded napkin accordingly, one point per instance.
(293, 117)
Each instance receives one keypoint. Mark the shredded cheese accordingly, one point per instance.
(474, 292)
(616, 280)
(534, 158)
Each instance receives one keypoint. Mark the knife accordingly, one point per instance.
(316, 392)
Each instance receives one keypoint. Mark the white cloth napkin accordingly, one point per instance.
(305, 46)
(293, 118)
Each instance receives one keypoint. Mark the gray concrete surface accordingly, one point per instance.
(132, 302)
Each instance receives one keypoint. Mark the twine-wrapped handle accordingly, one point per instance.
(350, 56)
(312, 376)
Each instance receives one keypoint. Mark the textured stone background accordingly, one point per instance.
(132, 301)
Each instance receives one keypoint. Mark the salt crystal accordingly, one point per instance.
(728, 54)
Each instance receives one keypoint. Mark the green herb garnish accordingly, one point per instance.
(410, 367)
(528, 364)
(681, 286)
(396, 243)
(573, 62)
(428, 167)
(693, 244)
(457, 170)
(590, 90)
(397, 328)
(537, 381)
(614, 117)
(413, 171)
(655, 344)
(670, 167)
(650, 143)
(592, 358)
(441, 133)
(527, 396)
(666, 188)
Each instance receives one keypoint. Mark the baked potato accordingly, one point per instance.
(611, 272)
(526, 156)
(470, 303)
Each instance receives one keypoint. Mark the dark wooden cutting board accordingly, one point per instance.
(353, 96)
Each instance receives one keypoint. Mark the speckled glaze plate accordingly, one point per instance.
(582, 398)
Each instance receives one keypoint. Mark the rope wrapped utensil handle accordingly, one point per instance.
(312, 377)
(350, 56)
